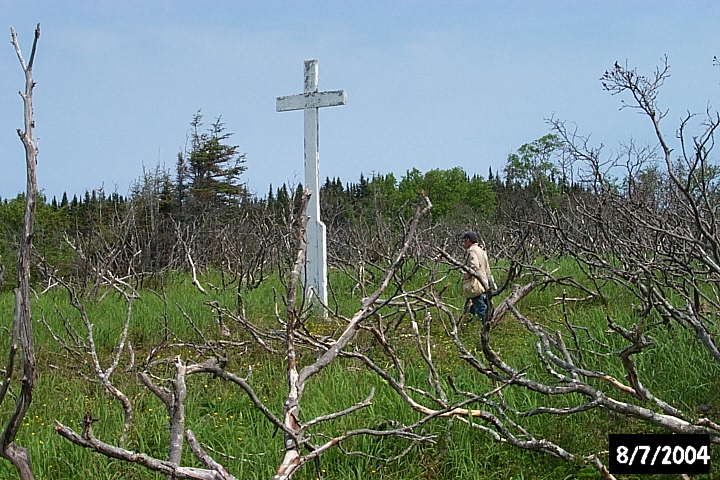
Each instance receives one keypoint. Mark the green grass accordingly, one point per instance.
(223, 418)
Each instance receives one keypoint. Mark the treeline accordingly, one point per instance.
(156, 219)
(202, 216)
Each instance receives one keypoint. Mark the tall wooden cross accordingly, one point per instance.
(310, 101)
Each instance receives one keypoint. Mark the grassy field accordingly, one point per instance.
(238, 436)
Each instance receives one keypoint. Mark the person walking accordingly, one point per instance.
(476, 286)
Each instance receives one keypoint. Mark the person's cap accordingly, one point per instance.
(472, 236)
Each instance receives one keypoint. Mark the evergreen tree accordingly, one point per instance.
(212, 167)
(282, 202)
(166, 204)
(181, 175)
(271, 199)
(297, 198)
(283, 197)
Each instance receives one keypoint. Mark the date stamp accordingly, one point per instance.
(660, 453)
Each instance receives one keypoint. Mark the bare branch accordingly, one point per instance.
(22, 320)
(88, 440)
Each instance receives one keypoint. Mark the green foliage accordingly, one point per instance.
(51, 224)
(451, 191)
(212, 167)
(382, 190)
(533, 165)
(11, 214)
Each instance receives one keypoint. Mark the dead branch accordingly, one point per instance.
(175, 404)
(22, 334)
(88, 440)
(297, 379)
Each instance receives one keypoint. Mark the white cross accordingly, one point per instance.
(310, 101)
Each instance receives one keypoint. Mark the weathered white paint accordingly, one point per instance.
(310, 101)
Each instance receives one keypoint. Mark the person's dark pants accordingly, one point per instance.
(478, 307)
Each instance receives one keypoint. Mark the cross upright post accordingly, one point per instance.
(309, 101)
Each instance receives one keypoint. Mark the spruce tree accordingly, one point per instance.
(210, 171)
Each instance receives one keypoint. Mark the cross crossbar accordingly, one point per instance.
(311, 100)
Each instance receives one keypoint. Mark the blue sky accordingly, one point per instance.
(430, 84)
